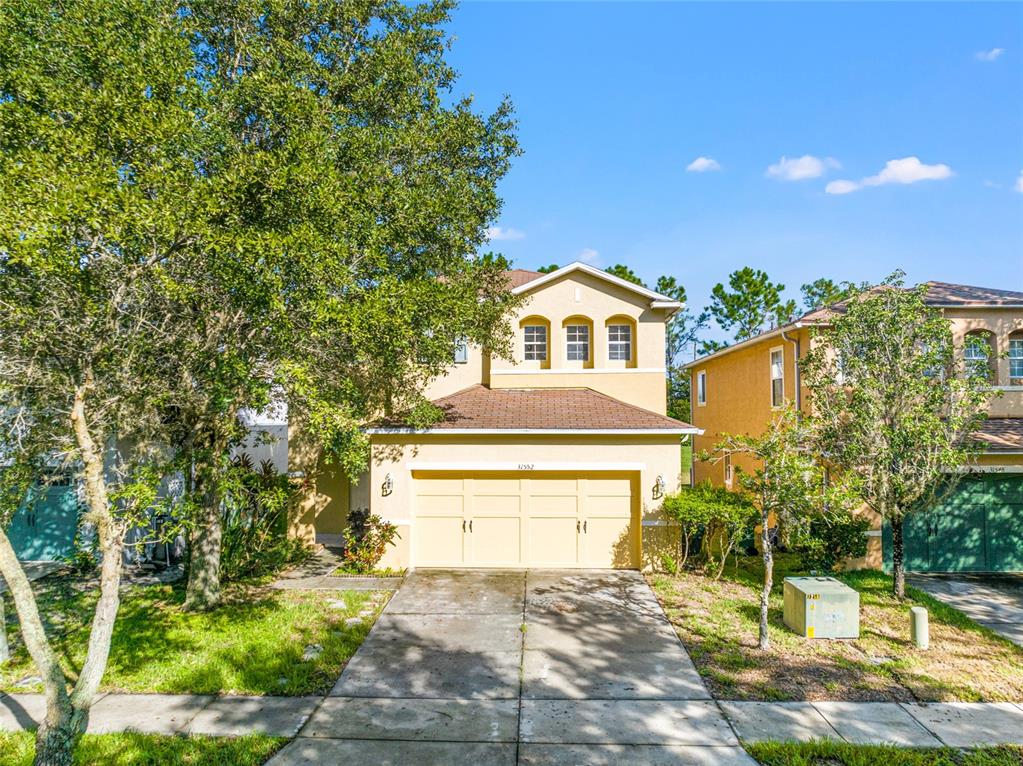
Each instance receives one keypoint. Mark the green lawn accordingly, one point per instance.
(130, 749)
(253, 644)
(718, 621)
(841, 754)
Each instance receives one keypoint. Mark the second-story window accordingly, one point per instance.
(536, 343)
(577, 343)
(777, 377)
(461, 351)
(1016, 359)
(619, 342)
(978, 353)
(701, 388)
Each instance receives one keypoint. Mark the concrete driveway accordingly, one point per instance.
(995, 601)
(502, 668)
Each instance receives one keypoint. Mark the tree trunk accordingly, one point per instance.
(204, 548)
(765, 593)
(898, 558)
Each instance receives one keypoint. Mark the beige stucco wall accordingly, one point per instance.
(397, 456)
(323, 507)
(1008, 403)
(583, 298)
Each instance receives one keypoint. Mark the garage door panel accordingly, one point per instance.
(545, 505)
(554, 487)
(496, 541)
(495, 486)
(607, 543)
(435, 485)
(439, 541)
(612, 487)
(496, 505)
(553, 542)
(440, 505)
(616, 507)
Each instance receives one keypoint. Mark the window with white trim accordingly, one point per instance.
(777, 377)
(461, 351)
(577, 343)
(977, 355)
(536, 343)
(619, 342)
(728, 469)
(701, 388)
(1016, 360)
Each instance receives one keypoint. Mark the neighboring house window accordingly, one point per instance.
(728, 469)
(536, 343)
(777, 377)
(578, 343)
(978, 354)
(701, 388)
(1016, 360)
(619, 342)
(461, 351)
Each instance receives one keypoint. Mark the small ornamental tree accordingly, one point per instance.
(895, 403)
(787, 486)
(711, 510)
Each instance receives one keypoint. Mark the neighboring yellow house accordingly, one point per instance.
(979, 527)
(558, 458)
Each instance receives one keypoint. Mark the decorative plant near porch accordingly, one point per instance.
(788, 486)
(723, 517)
(895, 403)
(366, 539)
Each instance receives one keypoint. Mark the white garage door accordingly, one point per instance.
(513, 519)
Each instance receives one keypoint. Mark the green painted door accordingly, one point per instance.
(977, 528)
(44, 528)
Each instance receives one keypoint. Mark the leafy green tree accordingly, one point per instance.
(548, 268)
(824, 292)
(681, 333)
(751, 302)
(622, 271)
(699, 508)
(787, 486)
(896, 403)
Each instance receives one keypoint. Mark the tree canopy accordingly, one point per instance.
(749, 303)
(824, 292)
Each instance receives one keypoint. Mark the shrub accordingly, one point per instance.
(366, 539)
(720, 516)
(825, 541)
(256, 506)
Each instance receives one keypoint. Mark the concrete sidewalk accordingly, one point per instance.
(956, 724)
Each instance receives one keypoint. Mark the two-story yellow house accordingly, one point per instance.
(980, 526)
(557, 458)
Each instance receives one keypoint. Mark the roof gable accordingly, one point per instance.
(656, 300)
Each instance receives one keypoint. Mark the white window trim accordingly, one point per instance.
(546, 342)
(461, 343)
(701, 375)
(729, 471)
(589, 344)
(627, 343)
(771, 378)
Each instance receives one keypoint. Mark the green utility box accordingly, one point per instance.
(821, 607)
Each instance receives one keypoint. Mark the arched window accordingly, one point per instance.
(621, 341)
(1016, 358)
(980, 355)
(578, 331)
(536, 342)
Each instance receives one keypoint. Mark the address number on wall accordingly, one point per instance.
(527, 466)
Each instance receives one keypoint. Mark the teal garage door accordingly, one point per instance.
(44, 529)
(977, 528)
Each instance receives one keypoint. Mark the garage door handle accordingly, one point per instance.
(584, 527)
(470, 525)
(578, 527)
(463, 526)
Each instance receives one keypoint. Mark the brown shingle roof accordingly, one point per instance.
(1001, 434)
(519, 277)
(544, 409)
(947, 294)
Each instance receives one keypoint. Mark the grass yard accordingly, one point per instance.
(131, 749)
(255, 643)
(842, 754)
(718, 622)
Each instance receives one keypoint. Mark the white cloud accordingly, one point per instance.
(587, 255)
(990, 55)
(702, 165)
(801, 168)
(500, 233)
(1019, 183)
(908, 170)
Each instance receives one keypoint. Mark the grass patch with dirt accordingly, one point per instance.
(132, 749)
(259, 641)
(828, 753)
(718, 622)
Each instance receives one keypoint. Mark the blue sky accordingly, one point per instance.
(616, 100)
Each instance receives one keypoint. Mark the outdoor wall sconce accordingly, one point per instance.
(387, 486)
(659, 487)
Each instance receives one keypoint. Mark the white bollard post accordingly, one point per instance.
(919, 629)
